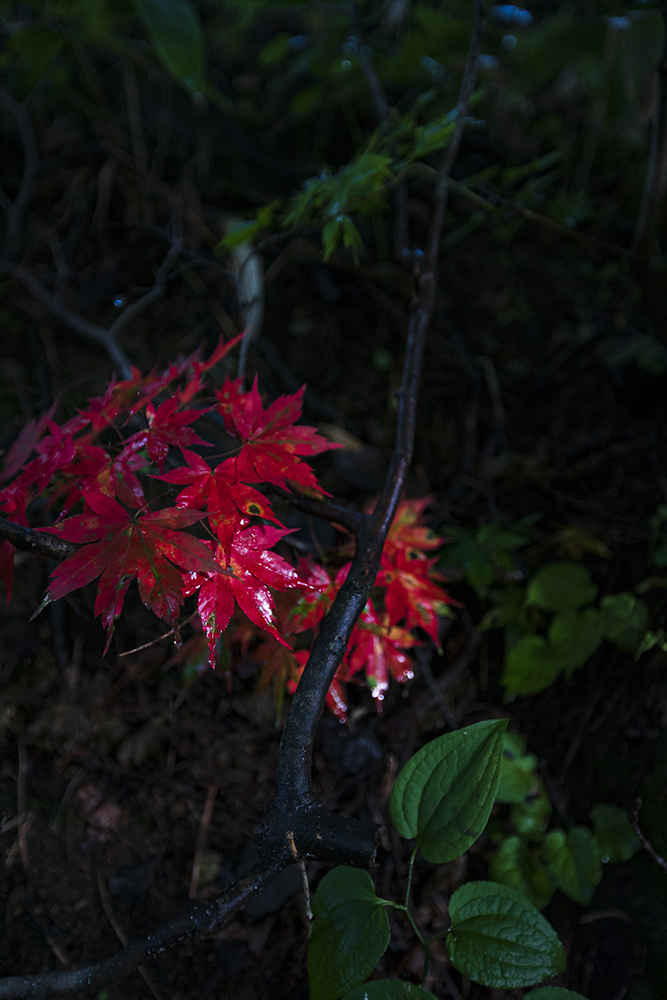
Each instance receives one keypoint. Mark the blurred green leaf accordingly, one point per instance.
(561, 586)
(574, 636)
(624, 618)
(176, 32)
(573, 862)
(530, 666)
(521, 868)
(529, 818)
(614, 833)
(518, 771)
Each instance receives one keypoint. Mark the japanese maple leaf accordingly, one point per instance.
(166, 426)
(255, 569)
(272, 443)
(120, 547)
(379, 650)
(219, 492)
(315, 601)
(94, 470)
(413, 592)
(25, 443)
(409, 531)
(54, 451)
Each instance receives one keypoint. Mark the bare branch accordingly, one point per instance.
(89, 331)
(38, 543)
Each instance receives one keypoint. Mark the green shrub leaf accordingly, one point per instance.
(573, 862)
(624, 619)
(613, 832)
(529, 818)
(499, 939)
(389, 989)
(516, 866)
(444, 794)
(517, 773)
(561, 586)
(530, 666)
(574, 636)
(175, 30)
(350, 933)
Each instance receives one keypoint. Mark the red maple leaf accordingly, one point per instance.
(120, 547)
(409, 531)
(219, 492)
(25, 443)
(413, 592)
(255, 569)
(166, 426)
(272, 443)
(379, 650)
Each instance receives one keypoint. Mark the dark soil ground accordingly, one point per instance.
(112, 761)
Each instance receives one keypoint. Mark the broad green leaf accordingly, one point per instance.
(574, 636)
(350, 933)
(573, 862)
(444, 794)
(530, 818)
(389, 989)
(624, 619)
(517, 773)
(614, 833)
(176, 32)
(530, 666)
(553, 993)
(498, 938)
(516, 866)
(561, 586)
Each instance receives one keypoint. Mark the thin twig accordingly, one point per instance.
(120, 932)
(165, 635)
(646, 844)
(201, 840)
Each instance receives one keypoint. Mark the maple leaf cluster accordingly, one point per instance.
(90, 474)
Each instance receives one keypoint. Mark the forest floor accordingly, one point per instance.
(141, 789)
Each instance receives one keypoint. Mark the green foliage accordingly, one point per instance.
(614, 833)
(350, 933)
(499, 939)
(444, 794)
(482, 553)
(175, 29)
(573, 862)
(561, 586)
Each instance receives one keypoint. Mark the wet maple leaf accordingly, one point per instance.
(25, 444)
(254, 569)
(166, 426)
(219, 492)
(413, 592)
(272, 443)
(409, 531)
(379, 650)
(120, 547)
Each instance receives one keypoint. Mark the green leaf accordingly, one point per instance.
(530, 818)
(624, 619)
(517, 773)
(530, 666)
(573, 862)
(175, 30)
(498, 938)
(561, 586)
(574, 636)
(517, 867)
(553, 993)
(350, 933)
(614, 833)
(389, 989)
(444, 794)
